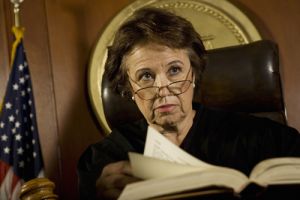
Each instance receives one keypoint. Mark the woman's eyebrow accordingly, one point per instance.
(175, 62)
(143, 69)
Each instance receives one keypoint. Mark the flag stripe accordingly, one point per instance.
(7, 188)
(14, 183)
(3, 170)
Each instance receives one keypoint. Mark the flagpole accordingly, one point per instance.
(17, 11)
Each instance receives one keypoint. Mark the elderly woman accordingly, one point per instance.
(157, 59)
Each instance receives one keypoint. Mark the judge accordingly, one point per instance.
(157, 59)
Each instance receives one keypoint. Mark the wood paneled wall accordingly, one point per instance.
(59, 39)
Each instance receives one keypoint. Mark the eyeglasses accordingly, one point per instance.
(175, 88)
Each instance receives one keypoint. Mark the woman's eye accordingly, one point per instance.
(174, 70)
(146, 76)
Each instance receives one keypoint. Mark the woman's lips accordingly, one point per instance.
(165, 108)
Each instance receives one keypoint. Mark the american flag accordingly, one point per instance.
(20, 152)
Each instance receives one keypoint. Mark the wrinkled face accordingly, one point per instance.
(154, 67)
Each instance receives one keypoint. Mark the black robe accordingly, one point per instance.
(221, 138)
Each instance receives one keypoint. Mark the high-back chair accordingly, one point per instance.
(243, 78)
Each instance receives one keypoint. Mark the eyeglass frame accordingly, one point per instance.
(159, 88)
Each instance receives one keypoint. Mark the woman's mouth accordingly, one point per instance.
(165, 108)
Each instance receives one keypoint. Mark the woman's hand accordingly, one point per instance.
(113, 179)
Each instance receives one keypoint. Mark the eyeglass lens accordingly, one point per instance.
(175, 88)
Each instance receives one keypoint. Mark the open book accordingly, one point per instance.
(171, 173)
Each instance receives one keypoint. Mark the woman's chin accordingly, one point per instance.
(168, 119)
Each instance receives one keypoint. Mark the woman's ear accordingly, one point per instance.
(194, 79)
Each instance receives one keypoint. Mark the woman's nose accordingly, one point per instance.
(162, 82)
(164, 91)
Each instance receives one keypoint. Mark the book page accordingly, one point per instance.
(158, 146)
(146, 167)
(277, 171)
(185, 182)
